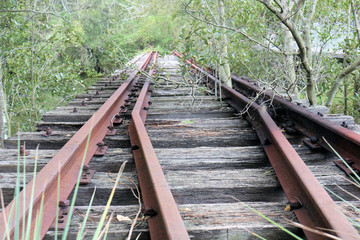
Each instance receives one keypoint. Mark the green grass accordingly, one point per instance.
(100, 233)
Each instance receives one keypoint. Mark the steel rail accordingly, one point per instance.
(165, 221)
(308, 199)
(343, 140)
(65, 165)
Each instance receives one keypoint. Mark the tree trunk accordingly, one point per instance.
(2, 101)
(302, 45)
(347, 70)
(345, 98)
(224, 67)
(289, 48)
(310, 88)
(356, 92)
(339, 80)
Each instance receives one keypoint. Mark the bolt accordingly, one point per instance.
(101, 144)
(64, 203)
(150, 212)
(294, 204)
(289, 124)
(23, 151)
(320, 114)
(48, 132)
(86, 167)
(134, 147)
(344, 125)
(313, 140)
(146, 108)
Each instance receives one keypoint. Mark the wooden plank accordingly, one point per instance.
(203, 221)
(201, 186)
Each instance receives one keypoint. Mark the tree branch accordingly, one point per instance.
(279, 51)
(349, 69)
(297, 37)
(31, 11)
(355, 19)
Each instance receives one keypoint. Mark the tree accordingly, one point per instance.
(303, 41)
(349, 69)
(224, 67)
(217, 37)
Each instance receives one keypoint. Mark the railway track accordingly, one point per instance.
(212, 159)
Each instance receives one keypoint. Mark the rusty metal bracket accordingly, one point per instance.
(48, 132)
(23, 151)
(87, 175)
(101, 150)
(112, 131)
(64, 207)
(313, 144)
(117, 119)
(355, 167)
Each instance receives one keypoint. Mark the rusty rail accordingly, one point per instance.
(165, 221)
(297, 119)
(66, 165)
(308, 199)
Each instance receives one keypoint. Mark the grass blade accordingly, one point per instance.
(81, 232)
(101, 223)
(67, 226)
(269, 220)
(346, 164)
(27, 236)
(17, 191)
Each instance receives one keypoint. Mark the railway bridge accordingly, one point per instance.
(156, 152)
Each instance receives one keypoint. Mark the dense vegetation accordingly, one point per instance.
(52, 49)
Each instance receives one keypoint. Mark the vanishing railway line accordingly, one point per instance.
(200, 166)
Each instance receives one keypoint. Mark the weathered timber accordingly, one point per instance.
(111, 162)
(56, 141)
(200, 158)
(203, 221)
(199, 186)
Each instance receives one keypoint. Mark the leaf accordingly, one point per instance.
(122, 218)
(187, 121)
(185, 210)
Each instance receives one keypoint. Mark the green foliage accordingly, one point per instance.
(251, 26)
(51, 52)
